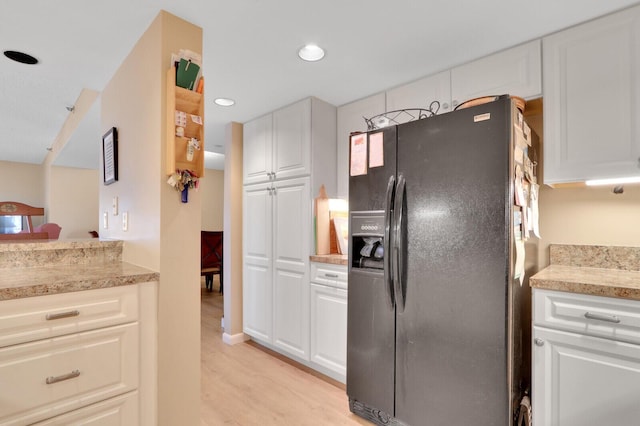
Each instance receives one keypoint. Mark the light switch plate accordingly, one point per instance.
(125, 221)
(115, 206)
(105, 220)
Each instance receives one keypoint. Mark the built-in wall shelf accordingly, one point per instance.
(191, 103)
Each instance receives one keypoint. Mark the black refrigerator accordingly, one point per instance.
(438, 328)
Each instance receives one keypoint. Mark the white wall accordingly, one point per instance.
(163, 234)
(212, 194)
(232, 279)
(588, 216)
(23, 183)
(583, 215)
(73, 201)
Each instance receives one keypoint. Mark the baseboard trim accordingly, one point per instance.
(234, 339)
(297, 364)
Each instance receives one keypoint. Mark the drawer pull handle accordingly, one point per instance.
(538, 341)
(61, 315)
(599, 317)
(55, 379)
(331, 275)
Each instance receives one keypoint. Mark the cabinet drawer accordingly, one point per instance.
(329, 274)
(33, 318)
(119, 411)
(42, 379)
(606, 317)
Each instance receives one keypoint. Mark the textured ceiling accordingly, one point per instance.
(249, 54)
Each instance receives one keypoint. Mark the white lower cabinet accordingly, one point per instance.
(329, 320)
(277, 219)
(72, 358)
(585, 375)
(584, 381)
(257, 265)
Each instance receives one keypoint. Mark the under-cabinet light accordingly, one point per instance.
(338, 205)
(614, 181)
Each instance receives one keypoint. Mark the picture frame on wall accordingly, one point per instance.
(110, 156)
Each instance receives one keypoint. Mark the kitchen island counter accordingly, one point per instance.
(50, 267)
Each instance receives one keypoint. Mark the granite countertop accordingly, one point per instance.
(334, 259)
(595, 270)
(48, 267)
(16, 283)
(72, 243)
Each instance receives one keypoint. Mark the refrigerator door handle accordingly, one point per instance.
(398, 243)
(387, 243)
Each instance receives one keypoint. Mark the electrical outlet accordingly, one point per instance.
(115, 206)
(125, 221)
(105, 220)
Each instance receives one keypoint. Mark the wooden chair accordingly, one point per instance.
(211, 257)
(11, 208)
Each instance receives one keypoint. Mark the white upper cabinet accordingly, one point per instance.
(351, 119)
(592, 100)
(515, 71)
(257, 150)
(292, 140)
(421, 93)
(295, 141)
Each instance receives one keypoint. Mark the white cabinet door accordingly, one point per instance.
(351, 119)
(257, 150)
(329, 329)
(516, 71)
(421, 93)
(592, 100)
(292, 140)
(292, 247)
(584, 381)
(257, 265)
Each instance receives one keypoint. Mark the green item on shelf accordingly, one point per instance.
(186, 74)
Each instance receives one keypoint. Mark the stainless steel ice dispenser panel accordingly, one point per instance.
(367, 240)
(367, 223)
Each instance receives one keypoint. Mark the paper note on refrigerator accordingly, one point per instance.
(358, 164)
(535, 214)
(376, 152)
(520, 257)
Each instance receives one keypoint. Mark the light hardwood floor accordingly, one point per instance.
(243, 385)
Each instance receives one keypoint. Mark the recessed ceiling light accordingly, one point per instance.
(226, 102)
(311, 53)
(21, 57)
